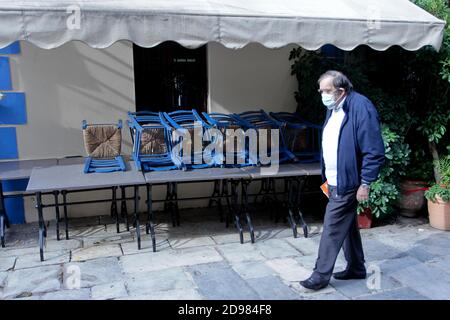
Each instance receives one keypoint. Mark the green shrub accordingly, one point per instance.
(442, 188)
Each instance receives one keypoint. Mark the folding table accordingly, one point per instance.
(15, 170)
(294, 175)
(66, 179)
(234, 176)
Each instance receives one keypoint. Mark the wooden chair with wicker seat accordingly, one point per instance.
(103, 144)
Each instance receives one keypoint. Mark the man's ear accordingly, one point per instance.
(341, 93)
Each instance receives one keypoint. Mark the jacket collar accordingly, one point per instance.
(349, 96)
(345, 107)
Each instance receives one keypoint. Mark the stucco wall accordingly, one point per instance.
(251, 78)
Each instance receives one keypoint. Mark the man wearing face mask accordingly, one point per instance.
(352, 155)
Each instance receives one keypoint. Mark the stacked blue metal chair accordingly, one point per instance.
(152, 148)
(103, 146)
(187, 122)
(261, 120)
(301, 137)
(222, 122)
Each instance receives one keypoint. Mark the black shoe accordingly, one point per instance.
(313, 284)
(347, 275)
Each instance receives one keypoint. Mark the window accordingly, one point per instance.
(170, 77)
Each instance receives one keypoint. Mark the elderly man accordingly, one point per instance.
(352, 155)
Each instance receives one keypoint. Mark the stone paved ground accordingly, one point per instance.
(203, 260)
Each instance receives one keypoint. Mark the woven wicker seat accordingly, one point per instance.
(103, 143)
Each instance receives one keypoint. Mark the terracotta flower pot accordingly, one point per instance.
(439, 213)
(365, 219)
(412, 198)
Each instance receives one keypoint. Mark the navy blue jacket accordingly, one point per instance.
(360, 148)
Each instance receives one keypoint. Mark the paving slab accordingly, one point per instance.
(99, 271)
(179, 294)
(252, 269)
(395, 294)
(80, 294)
(218, 281)
(240, 252)
(146, 246)
(96, 252)
(272, 288)
(168, 259)
(184, 242)
(146, 283)
(7, 263)
(427, 280)
(354, 288)
(31, 281)
(107, 291)
(276, 248)
(34, 260)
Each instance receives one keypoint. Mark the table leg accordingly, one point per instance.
(66, 220)
(261, 191)
(216, 197)
(273, 199)
(2, 216)
(114, 211)
(226, 194)
(136, 215)
(123, 207)
(301, 183)
(244, 206)
(268, 194)
(175, 196)
(169, 205)
(55, 194)
(150, 225)
(2, 230)
(42, 232)
(236, 209)
(291, 205)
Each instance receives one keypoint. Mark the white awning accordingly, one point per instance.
(233, 23)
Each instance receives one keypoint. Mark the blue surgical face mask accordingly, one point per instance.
(328, 101)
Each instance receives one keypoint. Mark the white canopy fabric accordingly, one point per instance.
(233, 23)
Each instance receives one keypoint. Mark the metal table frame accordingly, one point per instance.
(16, 170)
(64, 204)
(224, 188)
(293, 187)
(221, 191)
(77, 182)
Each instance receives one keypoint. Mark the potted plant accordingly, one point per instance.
(438, 197)
(411, 201)
(384, 191)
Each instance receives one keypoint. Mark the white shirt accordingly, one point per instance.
(330, 141)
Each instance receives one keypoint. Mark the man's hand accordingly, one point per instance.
(363, 193)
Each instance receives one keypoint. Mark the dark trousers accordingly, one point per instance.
(340, 229)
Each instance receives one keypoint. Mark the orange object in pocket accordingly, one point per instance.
(324, 188)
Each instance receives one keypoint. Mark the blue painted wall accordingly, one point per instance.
(8, 143)
(15, 206)
(5, 74)
(13, 48)
(12, 112)
(13, 108)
